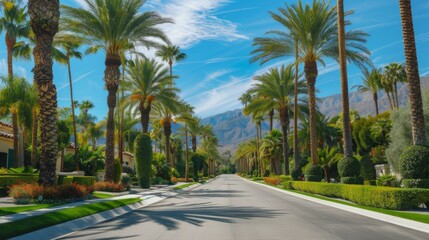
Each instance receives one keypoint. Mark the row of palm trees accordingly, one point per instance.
(313, 33)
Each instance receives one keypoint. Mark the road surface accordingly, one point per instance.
(231, 208)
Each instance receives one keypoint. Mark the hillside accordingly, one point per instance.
(232, 127)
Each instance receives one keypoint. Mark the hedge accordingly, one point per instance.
(381, 197)
(84, 180)
(8, 180)
(143, 156)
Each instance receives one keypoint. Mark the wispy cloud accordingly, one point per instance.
(76, 80)
(235, 10)
(215, 60)
(203, 84)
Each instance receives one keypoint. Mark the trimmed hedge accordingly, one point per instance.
(416, 183)
(352, 180)
(143, 157)
(8, 180)
(84, 180)
(367, 168)
(349, 167)
(314, 173)
(414, 163)
(381, 197)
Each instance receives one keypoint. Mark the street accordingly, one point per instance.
(231, 208)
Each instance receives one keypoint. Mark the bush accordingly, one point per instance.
(287, 185)
(415, 183)
(349, 167)
(8, 180)
(143, 157)
(84, 180)
(64, 180)
(257, 178)
(382, 197)
(314, 173)
(117, 173)
(296, 174)
(285, 178)
(272, 180)
(198, 163)
(109, 187)
(352, 180)
(128, 170)
(176, 180)
(414, 163)
(387, 181)
(126, 182)
(26, 193)
(367, 168)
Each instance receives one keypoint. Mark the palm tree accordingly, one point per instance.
(395, 73)
(328, 157)
(15, 24)
(417, 116)
(278, 86)
(195, 128)
(209, 148)
(113, 26)
(271, 149)
(95, 132)
(84, 106)
(315, 28)
(35, 126)
(189, 110)
(170, 54)
(148, 81)
(70, 46)
(371, 83)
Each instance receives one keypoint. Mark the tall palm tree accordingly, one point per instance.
(84, 106)
(278, 86)
(15, 24)
(35, 126)
(148, 81)
(417, 116)
(189, 110)
(371, 83)
(170, 54)
(394, 74)
(315, 28)
(113, 26)
(209, 148)
(271, 149)
(44, 21)
(70, 46)
(195, 128)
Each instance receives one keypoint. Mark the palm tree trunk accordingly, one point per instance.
(347, 134)
(112, 76)
(295, 110)
(44, 20)
(34, 138)
(417, 116)
(144, 116)
(187, 155)
(310, 70)
(375, 97)
(73, 115)
(284, 122)
(390, 99)
(326, 170)
(271, 114)
(10, 42)
(121, 123)
(396, 95)
(15, 139)
(194, 143)
(167, 133)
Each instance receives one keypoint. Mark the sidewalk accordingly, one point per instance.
(160, 191)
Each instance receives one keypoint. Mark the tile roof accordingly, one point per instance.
(6, 135)
(6, 124)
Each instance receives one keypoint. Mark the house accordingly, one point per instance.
(6, 145)
(128, 159)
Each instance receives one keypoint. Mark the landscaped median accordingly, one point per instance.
(184, 186)
(30, 224)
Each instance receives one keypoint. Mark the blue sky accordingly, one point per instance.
(217, 36)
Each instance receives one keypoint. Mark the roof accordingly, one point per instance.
(6, 135)
(6, 124)
(128, 154)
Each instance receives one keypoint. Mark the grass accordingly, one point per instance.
(30, 224)
(184, 185)
(12, 210)
(102, 195)
(418, 217)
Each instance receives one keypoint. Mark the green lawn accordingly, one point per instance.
(102, 195)
(30, 224)
(12, 210)
(184, 185)
(424, 218)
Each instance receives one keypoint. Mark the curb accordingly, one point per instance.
(422, 227)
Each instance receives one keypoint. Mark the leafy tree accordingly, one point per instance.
(328, 157)
(371, 83)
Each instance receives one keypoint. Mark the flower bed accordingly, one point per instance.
(109, 187)
(31, 192)
(176, 180)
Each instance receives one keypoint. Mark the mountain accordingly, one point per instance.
(233, 127)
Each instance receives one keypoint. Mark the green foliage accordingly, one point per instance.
(416, 183)
(64, 180)
(117, 173)
(352, 180)
(198, 161)
(314, 173)
(90, 160)
(349, 167)
(414, 163)
(84, 180)
(296, 173)
(8, 180)
(382, 197)
(367, 168)
(63, 133)
(387, 181)
(29, 170)
(126, 181)
(143, 156)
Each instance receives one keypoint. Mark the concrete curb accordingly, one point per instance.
(422, 227)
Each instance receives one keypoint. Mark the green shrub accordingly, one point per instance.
(8, 180)
(287, 185)
(314, 173)
(415, 183)
(198, 163)
(285, 178)
(257, 178)
(382, 197)
(387, 181)
(296, 173)
(143, 157)
(126, 181)
(414, 163)
(352, 180)
(84, 180)
(367, 168)
(349, 167)
(64, 180)
(117, 173)
(370, 182)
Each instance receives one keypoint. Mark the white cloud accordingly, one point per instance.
(195, 21)
(209, 78)
(75, 80)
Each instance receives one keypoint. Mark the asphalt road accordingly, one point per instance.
(231, 208)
